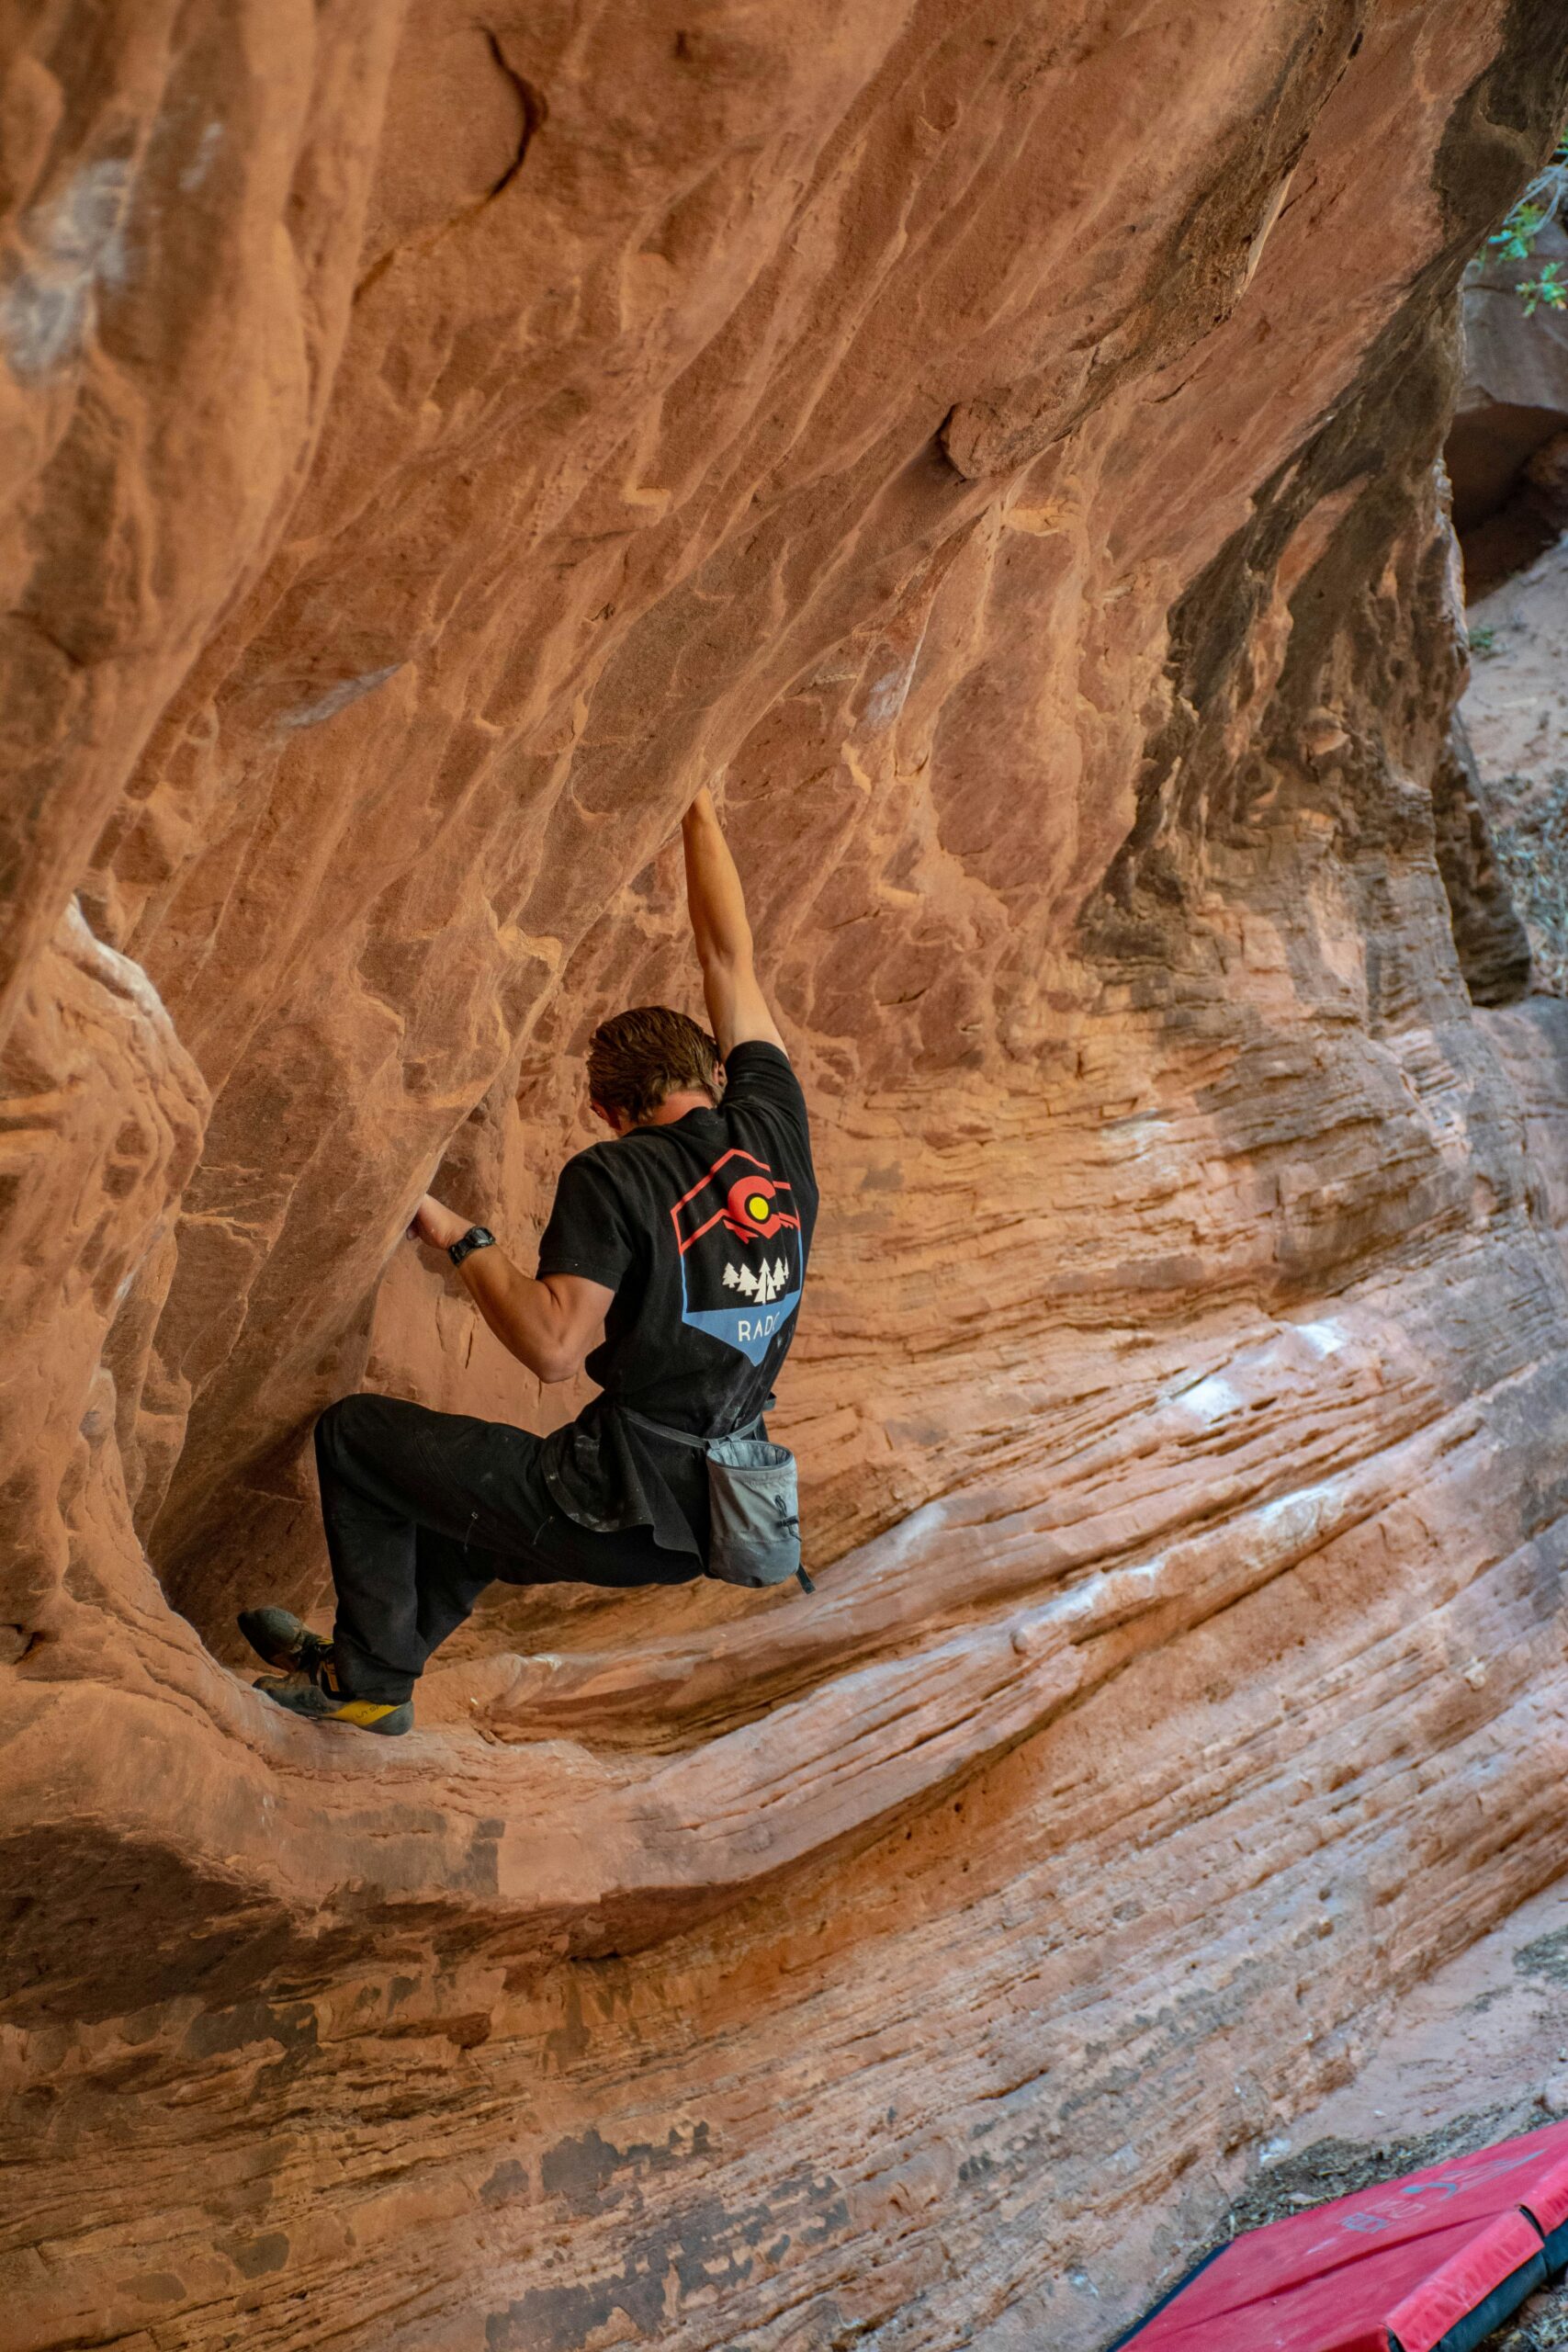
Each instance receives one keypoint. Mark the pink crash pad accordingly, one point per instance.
(1430, 2263)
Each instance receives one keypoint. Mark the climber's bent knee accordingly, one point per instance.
(355, 1425)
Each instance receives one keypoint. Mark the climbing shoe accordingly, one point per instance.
(311, 1694)
(284, 1640)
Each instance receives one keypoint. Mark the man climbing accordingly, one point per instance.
(684, 1238)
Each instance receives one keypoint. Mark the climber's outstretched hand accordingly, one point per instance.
(436, 1224)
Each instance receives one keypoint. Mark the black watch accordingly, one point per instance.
(478, 1237)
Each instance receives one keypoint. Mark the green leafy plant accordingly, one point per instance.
(1484, 640)
(1545, 201)
(1515, 238)
(1545, 286)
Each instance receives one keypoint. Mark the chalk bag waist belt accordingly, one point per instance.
(753, 1503)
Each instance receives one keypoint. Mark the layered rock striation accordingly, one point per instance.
(989, 438)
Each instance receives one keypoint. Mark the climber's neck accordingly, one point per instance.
(675, 1106)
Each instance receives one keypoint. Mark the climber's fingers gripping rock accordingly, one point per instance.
(436, 1224)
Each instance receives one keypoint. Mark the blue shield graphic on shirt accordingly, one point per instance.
(739, 1245)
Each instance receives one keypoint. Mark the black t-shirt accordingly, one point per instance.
(702, 1230)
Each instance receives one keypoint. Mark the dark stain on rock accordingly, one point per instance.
(584, 2171)
(468, 2031)
(254, 2258)
(1546, 1956)
(570, 2041)
(480, 1873)
(159, 2287)
(579, 2170)
(555, 2319)
(508, 2180)
(217, 2031)
(467, 2028)
(704, 2250)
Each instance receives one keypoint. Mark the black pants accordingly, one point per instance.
(425, 1511)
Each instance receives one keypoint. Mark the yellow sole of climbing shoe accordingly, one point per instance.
(302, 1697)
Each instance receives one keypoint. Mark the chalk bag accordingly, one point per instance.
(754, 1506)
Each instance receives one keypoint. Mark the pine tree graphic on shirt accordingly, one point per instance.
(761, 1288)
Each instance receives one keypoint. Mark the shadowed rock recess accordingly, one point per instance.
(999, 436)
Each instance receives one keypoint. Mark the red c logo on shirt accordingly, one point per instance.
(749, 1210)
(752, 1207)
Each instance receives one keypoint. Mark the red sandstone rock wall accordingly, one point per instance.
(990, 436)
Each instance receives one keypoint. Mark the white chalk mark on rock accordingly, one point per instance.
(77, 244)
(338, 698)
(1325, 1339)
(119, 973)
(202, 163)
(1211, 1399)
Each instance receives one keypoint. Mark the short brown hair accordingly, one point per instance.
(637, 1059)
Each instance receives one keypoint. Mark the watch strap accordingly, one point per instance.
(478, 1237)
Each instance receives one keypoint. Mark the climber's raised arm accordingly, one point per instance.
(716, 904)
(548, 1325)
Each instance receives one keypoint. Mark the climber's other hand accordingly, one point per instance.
(436, 1224)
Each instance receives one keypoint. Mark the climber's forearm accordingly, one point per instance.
(715, 899)
(737, 1010)
(548, 1325)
